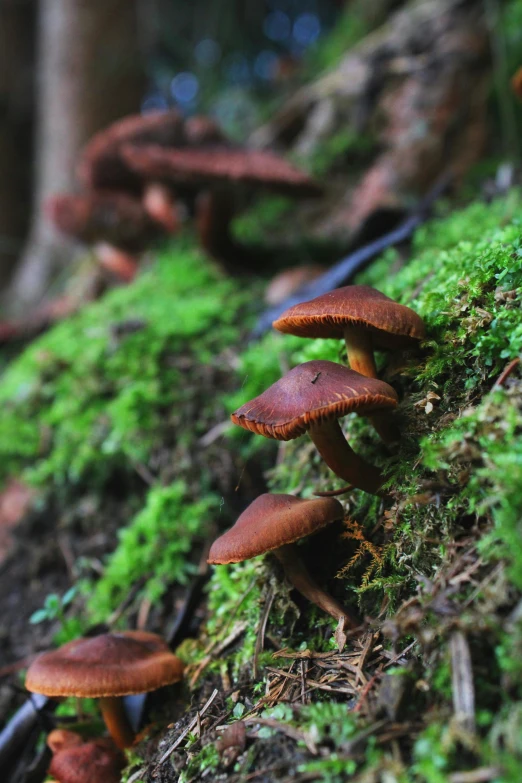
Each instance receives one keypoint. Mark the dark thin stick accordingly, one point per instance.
(342, 272)
(14, 735)
(506, 372)
(179, 629)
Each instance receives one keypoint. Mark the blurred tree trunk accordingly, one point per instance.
(89, 72)
(16, 95)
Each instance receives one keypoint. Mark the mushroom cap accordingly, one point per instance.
(110, 216)
(100, 164)
(98, 761)
(310, 393)
(112, 664)
(60, 739)
(214, 165)
(202, 130)
(393, 325)
(272, 521)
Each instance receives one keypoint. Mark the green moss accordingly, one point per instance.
(346, 145)
(259, 221)
(153, 548)
(479, 439)
(234, 594)
(204, 761)
(97, 392)
(460, 460)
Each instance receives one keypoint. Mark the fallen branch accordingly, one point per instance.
(344, 271)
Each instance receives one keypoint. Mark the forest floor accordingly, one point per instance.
(429, 687)
(120, 466)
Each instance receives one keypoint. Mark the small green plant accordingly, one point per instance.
(54, 610)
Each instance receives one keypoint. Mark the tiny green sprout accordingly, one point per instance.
(54, 610)
(238, 710)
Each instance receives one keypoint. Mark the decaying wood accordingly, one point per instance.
(418, 87)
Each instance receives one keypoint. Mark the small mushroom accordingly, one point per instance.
(272, 523)
(204, 166)
(366, 319)
(60, 739)
(218, 173)
(100, 164)
(98, 761)
(106, 667)
(311, 398)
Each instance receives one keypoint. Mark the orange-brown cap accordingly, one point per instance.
(60, 739)
(112, 664)
(205, 166)
(100, 164)
(272, 521)
(393, 325)
(201, 130)
(98, 761)
(310, 393)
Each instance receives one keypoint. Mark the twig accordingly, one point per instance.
(290, 731)
(506, 372)
(137, 775)
(260, 640)
(462, 681)
(189, 728)
(344, 271)
(479, 775)
(15, 734)
(333, 493)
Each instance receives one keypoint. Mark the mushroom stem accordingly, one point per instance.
(359, 347)
(123, 265)
(161, 206)
(341, 458)
(385, 427)
(299, 577)
(116, 721)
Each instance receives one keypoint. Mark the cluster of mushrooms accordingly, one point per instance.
(104, 667)
(311, 398)
(135, 176)
(143, 175)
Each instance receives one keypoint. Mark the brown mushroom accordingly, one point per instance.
(218, 165)
(97, 761)
(101, 165)
(366, 319)
(311, 398)
(272, 523)
(60, 739)
(106, 667)
(219, 171)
